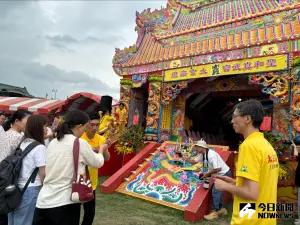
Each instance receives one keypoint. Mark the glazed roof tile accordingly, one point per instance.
(223, 26)
(152, 51)
(220, 13)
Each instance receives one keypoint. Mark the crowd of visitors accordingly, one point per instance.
(47, 199)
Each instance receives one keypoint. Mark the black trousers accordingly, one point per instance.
(3, 220)
(89, 211)
(63, 215)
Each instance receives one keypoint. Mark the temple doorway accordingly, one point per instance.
(138, 105)
(208, 111)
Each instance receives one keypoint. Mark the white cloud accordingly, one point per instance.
(66, 44)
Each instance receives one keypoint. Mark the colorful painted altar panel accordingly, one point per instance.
(164, 179)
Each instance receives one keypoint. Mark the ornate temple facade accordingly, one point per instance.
(197, 58)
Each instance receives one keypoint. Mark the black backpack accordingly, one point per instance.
(10, 168)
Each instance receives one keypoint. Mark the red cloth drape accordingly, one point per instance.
(266, 124)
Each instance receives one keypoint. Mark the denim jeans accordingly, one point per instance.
(217, 195)
(24, 213)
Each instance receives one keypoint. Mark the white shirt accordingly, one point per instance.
(214, 161)
(56, 190)
(14, 139)
(35, 158)
(9, 141)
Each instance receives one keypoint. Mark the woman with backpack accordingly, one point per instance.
(34, 132)
(15, 127)
(54, 205)
(10, 137)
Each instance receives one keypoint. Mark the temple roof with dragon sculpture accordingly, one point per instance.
(215, 40)
(191, 39)
(189, 28)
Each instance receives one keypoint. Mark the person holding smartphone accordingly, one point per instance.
(97, 142)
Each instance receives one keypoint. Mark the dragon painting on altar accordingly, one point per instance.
(164, 179)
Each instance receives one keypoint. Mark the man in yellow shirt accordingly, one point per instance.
(106, 123)
(255, 187)
(121, 113)
(97, 142)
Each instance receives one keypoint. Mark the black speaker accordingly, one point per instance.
(105, 103)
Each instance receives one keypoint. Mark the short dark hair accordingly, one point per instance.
(71, 120)
(35, 128)
(17, 115)
(94, 116)
(2, 113)
(252, 108)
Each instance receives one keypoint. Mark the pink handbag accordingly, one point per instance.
(82, 190)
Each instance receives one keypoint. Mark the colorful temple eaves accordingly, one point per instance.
(221, 13)
(273, 28)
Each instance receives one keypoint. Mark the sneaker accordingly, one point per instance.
(222, 212)
(211, 216)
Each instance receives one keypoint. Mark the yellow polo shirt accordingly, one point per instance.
(257, 161)
(95, 142)
(104, 122)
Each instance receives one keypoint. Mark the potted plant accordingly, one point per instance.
(130, 142)
(280, 145)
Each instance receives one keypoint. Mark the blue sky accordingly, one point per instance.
(66, 45)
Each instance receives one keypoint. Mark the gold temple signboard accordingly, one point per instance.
(253, 65)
